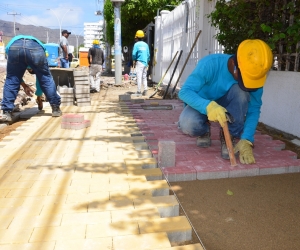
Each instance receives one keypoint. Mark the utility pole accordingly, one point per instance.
(47, 36)
(118, 49)
(14, 14)
(77, 49)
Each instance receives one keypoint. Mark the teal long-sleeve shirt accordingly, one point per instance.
(141, 52)
(22, 37)
(211, 80)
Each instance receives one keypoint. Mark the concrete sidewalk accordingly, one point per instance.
(94, 188)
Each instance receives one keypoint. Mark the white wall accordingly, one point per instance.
(281, 102)
(176, 31)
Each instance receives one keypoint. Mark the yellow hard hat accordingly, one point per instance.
(96, 42)
(254, 59)
(139, 34)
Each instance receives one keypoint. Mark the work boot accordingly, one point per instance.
(39, 102)
(138, 93)
(224, 150)
(56, 112)
(204, 141)
(144, 93)
(6, 116)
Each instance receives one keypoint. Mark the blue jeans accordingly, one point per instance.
(193, 123)
(23, 53)
(64, 63)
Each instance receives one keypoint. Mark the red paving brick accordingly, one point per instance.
(193, 162)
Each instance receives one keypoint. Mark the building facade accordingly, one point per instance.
(93, 31)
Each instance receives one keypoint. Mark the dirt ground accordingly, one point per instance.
(261, 212)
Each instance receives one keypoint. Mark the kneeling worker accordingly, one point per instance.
(222, 84)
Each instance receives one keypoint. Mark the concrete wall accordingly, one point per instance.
(281, 102)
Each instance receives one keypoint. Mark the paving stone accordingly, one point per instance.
(166, 153)
(158, 187)
(30, 222)
(137, 101)
(65, 90)
(296, 141)
(129, 194)
(81, 78)
(185, 247)
(177, 228)
(180, 173)
(83, 95)
(83, 104)
(150, 174)
(5, 221)
(9, 236)
(95, 243)
(86, 218)
(136, 95)
(79, 73)
(138, 214)
(111, 229)
(144, 163)
(243, 170)
(167, 205)
(58, 233)
(80, 99)
(52, 209)
(82, 90)
(27, 192)
(100, 206)
(141, 241)
(72, 118)
(11, 202)
(124, 97)
(31, 246)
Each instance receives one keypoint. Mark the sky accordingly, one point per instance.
(70, 14)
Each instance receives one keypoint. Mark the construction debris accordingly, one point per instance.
(22, 98)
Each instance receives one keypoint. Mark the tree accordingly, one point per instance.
(135, 15)
(276, 22)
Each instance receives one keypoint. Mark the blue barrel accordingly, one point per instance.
(53, 50)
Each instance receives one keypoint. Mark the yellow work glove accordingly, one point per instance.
(216, 113)
(246, 153)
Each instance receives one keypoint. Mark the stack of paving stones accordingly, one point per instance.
(192, 162)
(74, 121)
(82, 88)
(98, 188)
(66, 95)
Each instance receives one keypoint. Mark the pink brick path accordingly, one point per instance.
(193, 162)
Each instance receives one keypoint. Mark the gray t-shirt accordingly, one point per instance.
(63, 41)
